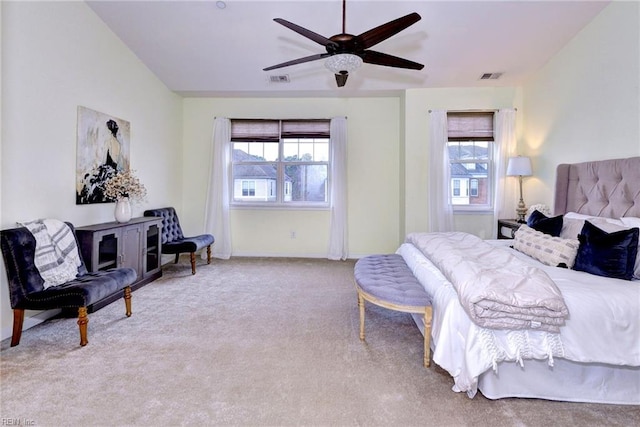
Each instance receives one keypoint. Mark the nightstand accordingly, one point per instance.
(507, 228)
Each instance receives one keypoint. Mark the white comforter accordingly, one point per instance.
(496, 289)
(603, 326)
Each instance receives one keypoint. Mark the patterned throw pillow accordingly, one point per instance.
(547, 249)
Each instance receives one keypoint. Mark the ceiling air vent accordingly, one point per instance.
(490, 76)
(284, 78)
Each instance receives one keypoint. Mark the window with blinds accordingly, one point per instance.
(470, 147)
(280, 162)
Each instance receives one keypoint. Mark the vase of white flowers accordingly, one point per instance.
(124, 188)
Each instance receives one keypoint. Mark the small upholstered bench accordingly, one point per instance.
(387, 281)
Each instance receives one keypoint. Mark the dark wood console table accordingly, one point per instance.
(136, 244)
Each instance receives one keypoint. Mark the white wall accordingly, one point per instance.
(55, 57)
(418, 102)
(383, 169)
(585, 103)
(373, 176)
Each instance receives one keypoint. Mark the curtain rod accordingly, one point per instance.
(473, 111)
(235, 118)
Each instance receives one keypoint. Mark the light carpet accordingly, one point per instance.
(252, 342)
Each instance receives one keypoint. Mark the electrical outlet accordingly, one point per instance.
(293, 234)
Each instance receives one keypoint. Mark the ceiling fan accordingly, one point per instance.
(346, 52)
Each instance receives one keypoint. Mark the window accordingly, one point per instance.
(456, 188)
(248, 188)
(470, 145)
(280, 162)
(473, 187)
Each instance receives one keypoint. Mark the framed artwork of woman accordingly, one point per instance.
(102, 151)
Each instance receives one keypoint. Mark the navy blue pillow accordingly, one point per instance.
(607, 254)
(540, 222)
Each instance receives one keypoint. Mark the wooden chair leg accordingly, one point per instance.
(83, 320)
(209, 254)
(192, 256)
(18, 321)
(127, 300)
(177, 258)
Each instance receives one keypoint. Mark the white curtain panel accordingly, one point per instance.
(439, 198)
(217, 205)
(504, 136)
(338, 236)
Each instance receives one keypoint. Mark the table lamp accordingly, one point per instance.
(519, 166)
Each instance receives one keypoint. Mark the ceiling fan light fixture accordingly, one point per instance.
(343, 62)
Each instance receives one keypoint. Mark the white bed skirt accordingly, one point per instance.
(566, 381)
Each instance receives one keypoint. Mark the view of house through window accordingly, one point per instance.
(280, 162)
(470, 139)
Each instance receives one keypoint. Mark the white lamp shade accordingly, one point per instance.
(519, 166)
(343, 62)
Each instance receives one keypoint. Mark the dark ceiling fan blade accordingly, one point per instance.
(379, 58)
(304, 32)
(341, 78)
(384, 31)
(349, 44)
(298, 61)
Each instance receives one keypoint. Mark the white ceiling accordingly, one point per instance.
(199, 49)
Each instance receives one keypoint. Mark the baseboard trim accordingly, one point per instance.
(292, 255)
(30, 322)
(279, 255)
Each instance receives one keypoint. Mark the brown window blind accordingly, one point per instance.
(470, 126)
(272, 130)
(305, 128)
(255, 130)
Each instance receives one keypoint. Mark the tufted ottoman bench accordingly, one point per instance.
(387, 281)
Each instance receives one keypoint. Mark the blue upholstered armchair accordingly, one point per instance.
(174, 241)
(26, 285)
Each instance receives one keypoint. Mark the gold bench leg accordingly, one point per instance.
(428, 312)
(361, 307)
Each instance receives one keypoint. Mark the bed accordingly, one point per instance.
(590, 349)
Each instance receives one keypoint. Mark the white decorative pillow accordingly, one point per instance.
(630, 221)
(571, 227)
(549, 250)
(574, 215)
(572, 224)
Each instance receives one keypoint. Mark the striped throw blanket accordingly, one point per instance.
(56, 256)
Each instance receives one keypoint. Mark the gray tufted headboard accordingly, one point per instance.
(607, 188)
